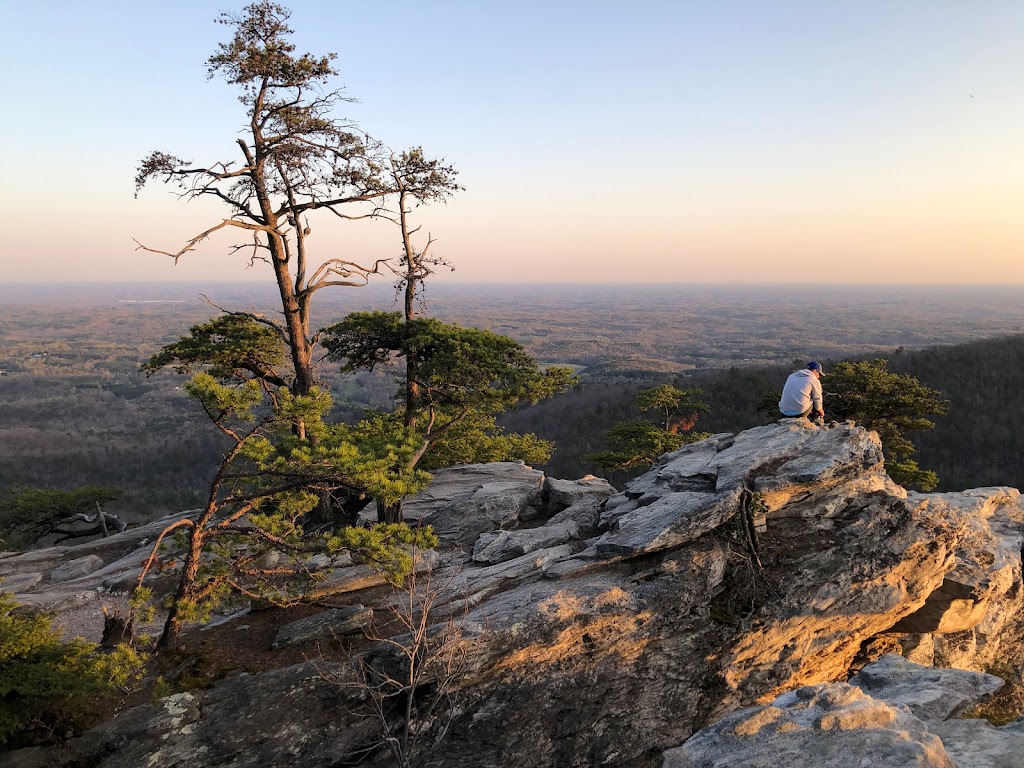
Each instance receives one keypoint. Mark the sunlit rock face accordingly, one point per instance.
(607, 629)
(665, 621)
(891, 715)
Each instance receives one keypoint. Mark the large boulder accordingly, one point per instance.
(463, 502)
(928, 693)
(820, 726)
(970, 620)
(562, 494)
(892, 714)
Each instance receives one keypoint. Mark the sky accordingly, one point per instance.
(649, 141)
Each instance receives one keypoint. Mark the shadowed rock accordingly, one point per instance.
(325, 626)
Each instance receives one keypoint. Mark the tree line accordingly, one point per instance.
(976, 442)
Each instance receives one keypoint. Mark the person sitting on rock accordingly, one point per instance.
(802, 392)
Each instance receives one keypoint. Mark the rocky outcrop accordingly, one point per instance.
(77, 582)
(970, 621)
(893, 714)
(665, 621)
(284, 717)
(325, 626)
(761, 567)
(562, 494)
(480, 498)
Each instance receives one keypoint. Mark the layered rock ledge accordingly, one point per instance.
(609, 628)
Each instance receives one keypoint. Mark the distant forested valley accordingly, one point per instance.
(75, 410)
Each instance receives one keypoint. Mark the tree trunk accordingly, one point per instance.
(172, 627)
(389, 513)
(117, 628)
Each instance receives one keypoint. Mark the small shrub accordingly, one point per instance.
(1006, 704)
(45, 682)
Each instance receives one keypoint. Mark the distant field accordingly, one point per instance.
(663, 327)
(74, 409)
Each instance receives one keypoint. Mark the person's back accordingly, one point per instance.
(802, 392)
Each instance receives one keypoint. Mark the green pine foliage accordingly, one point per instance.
(465, 377)
(640, 443)
(479, 439)
(47, 683)
(893, 404)
(251, 537)
(28, 514)
(228, 347)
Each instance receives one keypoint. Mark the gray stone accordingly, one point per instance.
(614, 508)
(585, 513)
(821, 726)
(562, 494)
(325, 626)
(929, 693)
(988, 562)
(571, 568)
(669, 522)
(77, 568)
(687, 469)
(454, 484)
(487, 497)
(498, 547)
(20, 582)
(979, 744)
(795, 452)
(280, 718)
(474, 584)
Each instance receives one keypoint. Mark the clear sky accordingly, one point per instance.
(722, 140)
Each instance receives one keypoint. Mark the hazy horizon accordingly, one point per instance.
(1003, 300)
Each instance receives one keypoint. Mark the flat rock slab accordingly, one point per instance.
(458, 483)
(979, 744)
(669, 522)
(20, 582)
(795, 452)
(325, 625)
(77, 568)
(820, 726)
(500, 546)
(929, 693)
(473, 584)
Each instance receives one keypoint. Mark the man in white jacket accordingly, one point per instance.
(802, 392)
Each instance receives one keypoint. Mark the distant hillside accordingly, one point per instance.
(74, 408)
(980, 442)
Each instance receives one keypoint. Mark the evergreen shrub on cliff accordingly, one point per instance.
(47, 683)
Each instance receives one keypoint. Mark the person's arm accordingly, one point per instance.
(816, 397)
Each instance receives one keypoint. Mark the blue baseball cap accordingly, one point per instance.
(814, 365)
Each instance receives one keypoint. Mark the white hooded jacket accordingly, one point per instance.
(802, 391)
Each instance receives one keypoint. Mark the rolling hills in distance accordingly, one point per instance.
(75, 410)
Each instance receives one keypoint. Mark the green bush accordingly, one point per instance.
(46, 683)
